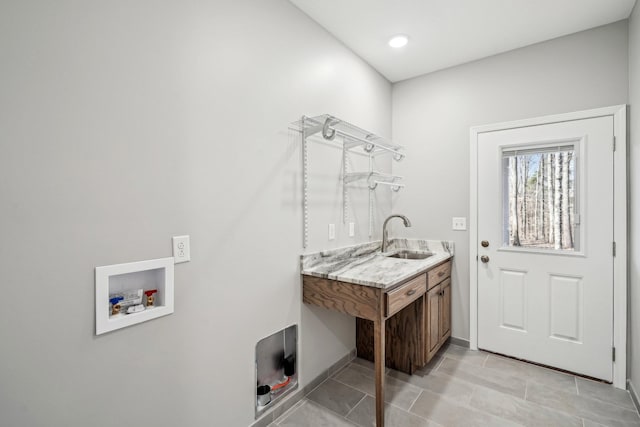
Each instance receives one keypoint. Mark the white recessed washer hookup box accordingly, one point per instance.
(123, 282)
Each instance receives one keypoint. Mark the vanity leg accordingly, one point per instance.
(378, 333)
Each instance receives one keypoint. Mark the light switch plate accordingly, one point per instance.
(352, 229)
(459, 223)
(181, 249)
(332, 231)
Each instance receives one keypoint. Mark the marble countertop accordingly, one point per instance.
(364, 264)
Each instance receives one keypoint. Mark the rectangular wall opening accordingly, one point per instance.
(276, 368)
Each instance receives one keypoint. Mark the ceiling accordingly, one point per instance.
(444, 33)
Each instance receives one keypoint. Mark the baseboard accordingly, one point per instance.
(460, 342)
(634, 395)
(294, 398)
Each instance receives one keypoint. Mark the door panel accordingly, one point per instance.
(433, 303)
(513, 304)
(565, 301)
(545, 205)
(445, 309)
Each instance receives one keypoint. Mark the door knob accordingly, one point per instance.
(484, 259)
(485, 243)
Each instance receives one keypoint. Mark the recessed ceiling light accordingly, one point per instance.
(398, 41)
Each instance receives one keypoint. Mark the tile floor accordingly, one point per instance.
(460, 387)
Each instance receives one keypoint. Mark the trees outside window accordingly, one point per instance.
(541, 201)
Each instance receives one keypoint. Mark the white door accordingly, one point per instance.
(545, 237)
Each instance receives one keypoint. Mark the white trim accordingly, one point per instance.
(634, 395)
(473, 241)
(620, 235)
(545, 120)
(619, 114)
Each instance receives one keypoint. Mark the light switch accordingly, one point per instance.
(459, 223)
(352, 229)
(332, 231)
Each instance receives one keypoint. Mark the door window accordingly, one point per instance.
(540, 198)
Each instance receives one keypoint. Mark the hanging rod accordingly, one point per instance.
(370, 145)
(394, 186)
(358, 176)
(328, 126)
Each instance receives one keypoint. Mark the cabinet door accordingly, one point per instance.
(433, 321)
(445, 310)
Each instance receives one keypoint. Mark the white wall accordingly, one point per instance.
(432, 115)
(634, 161)
(125, 123)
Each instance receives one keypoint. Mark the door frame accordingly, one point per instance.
(619, 114)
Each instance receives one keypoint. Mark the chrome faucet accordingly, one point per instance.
(385, 234)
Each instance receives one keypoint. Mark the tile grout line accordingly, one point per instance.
(387, 377)
(419, 389)
(418, 415)
(473, 391)
(415, 400)
(350, 386)
(625, 408)
(482, 411)
(533, 381)
(439, 364)
(355, 406)
(314, 389)
(602, 401)
(340, 369)
(289, 411)
(460, 359)
(584, 398)
(330, 410)
(474, 388)
(368, 371)
(327, 409)
(366, 393)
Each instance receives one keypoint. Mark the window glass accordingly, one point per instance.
(540, 198)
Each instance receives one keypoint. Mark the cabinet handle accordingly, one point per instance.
(440, 273)
(411, 292)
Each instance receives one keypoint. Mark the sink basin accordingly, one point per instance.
(405, 254)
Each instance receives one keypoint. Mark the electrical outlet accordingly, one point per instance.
(332, 231)
(181, 249)
(459, 223)
(352, 229)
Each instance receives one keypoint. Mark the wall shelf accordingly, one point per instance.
(352, 137)
(118, 279)
(373, 179)
(349, 138)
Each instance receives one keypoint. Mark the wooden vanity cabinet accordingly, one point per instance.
(415, 333)
(438, 317)
(404, 343)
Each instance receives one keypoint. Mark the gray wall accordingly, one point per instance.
(432, 115)
(634, 161)
(125, 123)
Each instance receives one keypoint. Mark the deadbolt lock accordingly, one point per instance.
(485, 243)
